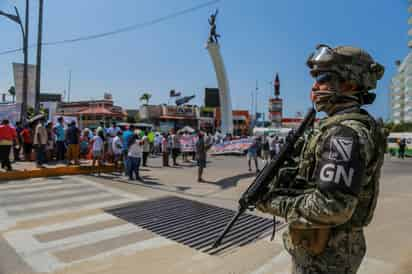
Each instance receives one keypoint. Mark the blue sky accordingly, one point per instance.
(259, 38)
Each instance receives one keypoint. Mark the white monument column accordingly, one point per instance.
(223, 84)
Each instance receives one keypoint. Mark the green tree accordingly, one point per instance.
(145, 97)
(12, 92)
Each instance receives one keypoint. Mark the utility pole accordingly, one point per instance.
(38, 66)
(26, 61)
(25, 34)
(69, 86)
(256, 101)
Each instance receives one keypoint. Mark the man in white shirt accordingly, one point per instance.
(111, 134)
(40, 142)
(134, 156)
(146, 148)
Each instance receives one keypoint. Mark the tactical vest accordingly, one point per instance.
(370, 186)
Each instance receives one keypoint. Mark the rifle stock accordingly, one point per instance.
(260, 185)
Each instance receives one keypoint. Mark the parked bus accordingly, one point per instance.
(393, 143)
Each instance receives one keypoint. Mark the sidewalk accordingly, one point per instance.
(24, 170)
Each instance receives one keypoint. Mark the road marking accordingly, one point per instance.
(86, 195)
(37, 189)
(33, 206)
(52, 255)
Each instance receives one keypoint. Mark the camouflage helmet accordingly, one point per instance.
(350, 63)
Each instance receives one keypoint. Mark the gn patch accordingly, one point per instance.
(341, 167)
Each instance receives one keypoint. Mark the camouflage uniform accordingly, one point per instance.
(332, 194)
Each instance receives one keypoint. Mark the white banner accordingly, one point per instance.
(10, 112)
(66, 120)
(31, 83)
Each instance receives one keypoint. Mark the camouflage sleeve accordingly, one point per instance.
(339, 175)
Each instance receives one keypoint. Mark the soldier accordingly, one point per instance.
(333, 191)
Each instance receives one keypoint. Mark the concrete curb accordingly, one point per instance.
(55, 171)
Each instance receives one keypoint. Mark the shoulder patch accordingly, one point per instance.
(340, 167)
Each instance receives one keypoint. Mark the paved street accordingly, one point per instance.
(90, 224)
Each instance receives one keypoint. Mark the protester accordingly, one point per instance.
(117, 146)
(274, 147)
(158, 143)
(73, 143)
(50, 142)
(146, 148)
(402, 148)
(19, 142)
(252, 154)
(175, 145)
(135, 153)
(151, 138)
(60, 139)
(98, 148)
(200, 156)
(84, 144)
(111, 134)
(27, 138)
(102, 129)
(165, 150)
(265, 150)
(127, 134)
(7, 137)
(40, 142)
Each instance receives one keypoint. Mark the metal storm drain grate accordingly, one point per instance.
(194, 224)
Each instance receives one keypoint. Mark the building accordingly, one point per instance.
(90, 113)
(241, 121)
(276, 105)
(401, 87)
(401, 92)
(50, 102)
(166, 117)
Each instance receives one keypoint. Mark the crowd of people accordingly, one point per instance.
(66, 143)
(266, 147)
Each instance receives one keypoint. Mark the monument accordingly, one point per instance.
(276, 105)
(223, 84)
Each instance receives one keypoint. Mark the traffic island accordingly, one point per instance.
(55, 171)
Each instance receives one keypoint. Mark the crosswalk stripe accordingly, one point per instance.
(49, 256)
(16, 201)
(38, 189)
(33, 206)
(30, 183)
(39, 199)
(24, 242)
(72, 223)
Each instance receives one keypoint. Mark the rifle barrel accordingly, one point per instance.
(228, 227)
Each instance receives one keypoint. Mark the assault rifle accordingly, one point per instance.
(260, 185)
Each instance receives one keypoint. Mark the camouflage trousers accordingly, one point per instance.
(342, 255)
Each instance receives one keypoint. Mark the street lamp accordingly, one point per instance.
(25, 32)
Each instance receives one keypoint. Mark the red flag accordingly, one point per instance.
(277, 85)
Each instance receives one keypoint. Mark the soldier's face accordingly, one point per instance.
(318, 87)
(326, 86)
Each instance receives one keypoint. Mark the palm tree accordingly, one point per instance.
(145, 97)
(12, 92)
